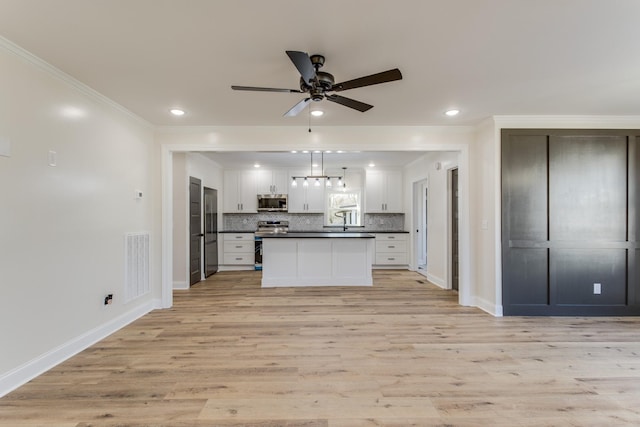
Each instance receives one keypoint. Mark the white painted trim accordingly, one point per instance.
(567, 122)
(488, 306)
(167, 226)
(464, 230)
(244, 142)
(69, 80)
(223, 267)
(26, 372)
(438, 281)
(180, 285)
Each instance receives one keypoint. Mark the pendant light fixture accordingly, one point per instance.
(318, 179)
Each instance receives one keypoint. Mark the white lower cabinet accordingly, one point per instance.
(238, 249)
(391, 249)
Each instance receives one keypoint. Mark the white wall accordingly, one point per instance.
(180, 222)
(438, 247)
(62, 228)
(485, 231)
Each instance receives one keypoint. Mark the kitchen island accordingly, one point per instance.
(317, 259)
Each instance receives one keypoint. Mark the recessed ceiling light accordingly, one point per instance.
(294, 151)
(328, 151)
(256, 165)
(371, 165)
(317, 113)
(305, 151)
(339, 151)
(452, 112)
(177, 112)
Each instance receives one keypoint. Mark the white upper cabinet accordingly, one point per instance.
(272, 181)
(303, 199)
(240, 192)
(383, 191)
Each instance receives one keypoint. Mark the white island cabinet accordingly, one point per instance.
(317, 259)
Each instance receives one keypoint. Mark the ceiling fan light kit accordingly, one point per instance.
(317, 84)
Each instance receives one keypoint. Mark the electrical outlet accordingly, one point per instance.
(597, 288)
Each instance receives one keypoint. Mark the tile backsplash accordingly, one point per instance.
(308, 222)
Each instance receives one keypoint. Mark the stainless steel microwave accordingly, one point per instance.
(272, 203)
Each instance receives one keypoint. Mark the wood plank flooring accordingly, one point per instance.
(400, 353)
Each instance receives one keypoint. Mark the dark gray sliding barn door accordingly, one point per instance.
(570, 217)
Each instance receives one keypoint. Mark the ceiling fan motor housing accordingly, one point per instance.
(319, 83)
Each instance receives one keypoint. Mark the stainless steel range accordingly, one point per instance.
(267, 228)
(272, 227)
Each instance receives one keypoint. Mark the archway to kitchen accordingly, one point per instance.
(185, 142)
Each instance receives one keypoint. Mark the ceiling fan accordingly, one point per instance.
(318, 83)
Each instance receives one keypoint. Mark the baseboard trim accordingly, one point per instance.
(28, 371)
(180, 285)
(487, 306)
(438, 281)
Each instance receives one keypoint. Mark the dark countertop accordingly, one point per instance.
(349, 230)
(321, 235)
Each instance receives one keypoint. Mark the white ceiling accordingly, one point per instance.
(485, 57)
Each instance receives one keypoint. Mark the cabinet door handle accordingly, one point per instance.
(391, 246)
(238, 259)
(391, 259)
(392, 237)
(238, 247)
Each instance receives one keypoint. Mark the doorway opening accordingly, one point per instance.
(195, 230)
(421, 204)
(455, 247)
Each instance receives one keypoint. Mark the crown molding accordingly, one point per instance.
(568, 122)
(27, 56)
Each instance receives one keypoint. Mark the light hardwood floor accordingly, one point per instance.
(400, 353)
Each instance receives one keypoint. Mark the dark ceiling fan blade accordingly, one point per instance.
(297, 108)
(265, 89)
(373, 79)
(303, 63)
(348, 102)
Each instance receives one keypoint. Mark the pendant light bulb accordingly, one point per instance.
(305, 183)
(317, 183)
(328, 184)
(294, 183)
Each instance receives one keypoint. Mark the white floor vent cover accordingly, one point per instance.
(136, 258)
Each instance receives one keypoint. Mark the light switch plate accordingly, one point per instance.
(53, 158)
(597, 288)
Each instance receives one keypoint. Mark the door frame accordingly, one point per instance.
(450, 245)
(204, 230)
(465, 297)
(420, 218)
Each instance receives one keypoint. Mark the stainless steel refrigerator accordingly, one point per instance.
(210, 231)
